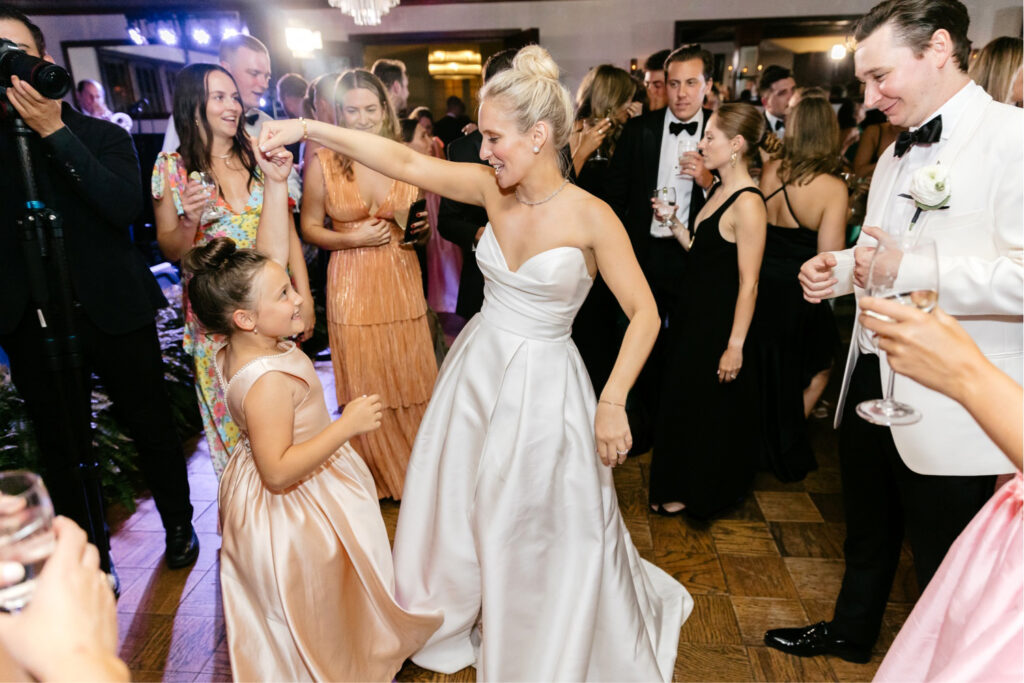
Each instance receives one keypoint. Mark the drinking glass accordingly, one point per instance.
(684, 147)
(211, 212)
(905, 270)
(26, 533)
(664, 203)
(598, 155)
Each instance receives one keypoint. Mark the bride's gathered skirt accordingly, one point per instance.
(509, 523)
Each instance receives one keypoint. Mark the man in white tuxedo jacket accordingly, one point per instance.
(932, 476)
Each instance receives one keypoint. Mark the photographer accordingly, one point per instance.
(87, 171)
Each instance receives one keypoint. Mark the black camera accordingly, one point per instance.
(49, 79)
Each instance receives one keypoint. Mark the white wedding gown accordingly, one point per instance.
(509, 522)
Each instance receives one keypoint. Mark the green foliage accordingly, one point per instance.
(114, 451)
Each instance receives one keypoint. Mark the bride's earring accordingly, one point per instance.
(536, 149)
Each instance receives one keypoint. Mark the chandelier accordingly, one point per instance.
(365, 12)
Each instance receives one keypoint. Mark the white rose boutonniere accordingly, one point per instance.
(929, 188)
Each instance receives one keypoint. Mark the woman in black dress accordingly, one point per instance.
(707, 428)
(796, 341)
(604, 102)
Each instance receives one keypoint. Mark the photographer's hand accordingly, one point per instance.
(41, 114)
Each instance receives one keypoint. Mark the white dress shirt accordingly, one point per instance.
(772, 122)
(668, 170)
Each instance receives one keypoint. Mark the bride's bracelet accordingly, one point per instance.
(611, 403)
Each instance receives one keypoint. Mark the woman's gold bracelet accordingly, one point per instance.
(305, 129)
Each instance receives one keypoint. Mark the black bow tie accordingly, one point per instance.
(925, 135)
(251, 119)
(690, 128)
(779, 123)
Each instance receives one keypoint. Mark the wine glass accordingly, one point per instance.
(664, 204)
(905, 270)
(598, 155)
(211, 211)
(683, 147)
(26, 534)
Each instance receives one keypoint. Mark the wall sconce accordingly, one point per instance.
(454, 64)
(302, 41)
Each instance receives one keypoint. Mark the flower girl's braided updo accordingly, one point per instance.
(220, 281)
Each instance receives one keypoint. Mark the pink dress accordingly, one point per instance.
(306, 573)
(444, 258)
(969, 623)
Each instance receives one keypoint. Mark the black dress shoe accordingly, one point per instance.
(182, 546)
(813, 640)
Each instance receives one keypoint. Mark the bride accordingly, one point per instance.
(509, 521)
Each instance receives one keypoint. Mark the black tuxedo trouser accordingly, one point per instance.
(663, 266)
(881, 496)
(130, 368)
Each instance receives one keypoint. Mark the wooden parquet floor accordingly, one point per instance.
(774, 561)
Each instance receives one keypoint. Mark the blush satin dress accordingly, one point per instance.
(306, 574)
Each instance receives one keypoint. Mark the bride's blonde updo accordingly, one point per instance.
(533, 93)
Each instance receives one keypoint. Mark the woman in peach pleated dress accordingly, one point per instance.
(376, 312)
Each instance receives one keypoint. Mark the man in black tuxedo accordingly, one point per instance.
(775, 89)
(646, 158)
(654, 80)
(88, 172)
(464, 224)
(450, 126)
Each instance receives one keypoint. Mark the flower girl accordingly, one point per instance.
(305, 566)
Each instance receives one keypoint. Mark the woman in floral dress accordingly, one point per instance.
(209, 121)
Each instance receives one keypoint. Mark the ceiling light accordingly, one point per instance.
(167, 36)
(365, 12)
(302, 41)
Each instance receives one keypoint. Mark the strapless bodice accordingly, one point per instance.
(538, 301)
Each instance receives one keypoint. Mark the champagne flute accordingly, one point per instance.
(683, 147)
(26, 534)
(905, 271)
(664, 203)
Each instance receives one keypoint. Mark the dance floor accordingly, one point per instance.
(775, 561)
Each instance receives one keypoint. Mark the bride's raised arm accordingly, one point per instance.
(466, 183)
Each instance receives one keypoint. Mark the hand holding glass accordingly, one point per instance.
(597, 122)
(906, 271)
(26, 536)
(686, 145)
(664, 204)
(211, 211)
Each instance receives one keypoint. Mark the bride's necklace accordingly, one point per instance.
(541, 201)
